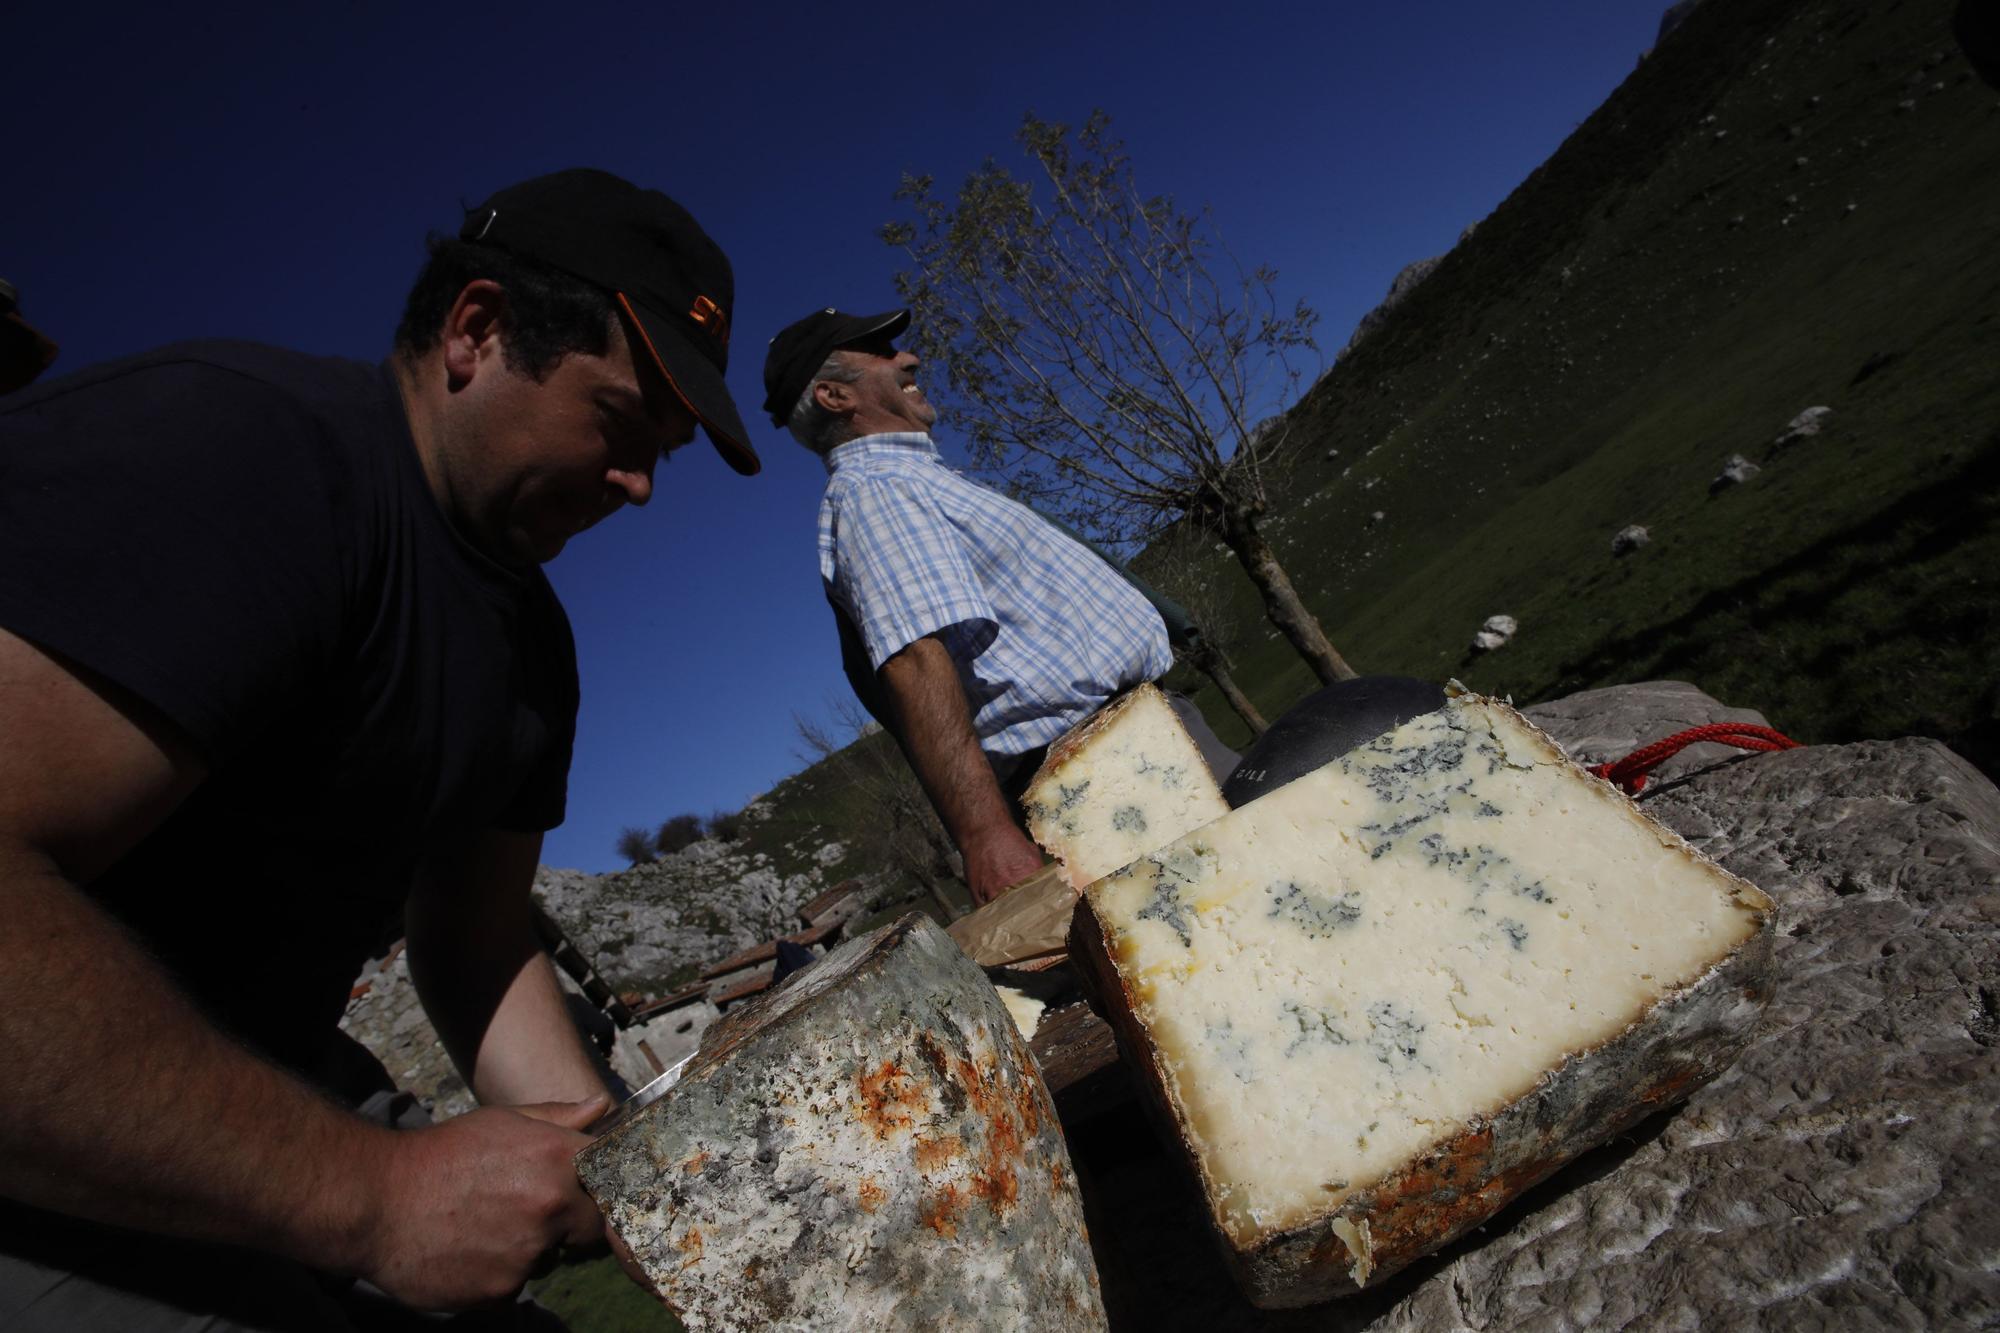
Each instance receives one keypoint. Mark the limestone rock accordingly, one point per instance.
(868, 1147)
(651, 927)
(1602, 726)
(385, 1015)
(1497, 632)
(1400, 287)
(1629, 539)
(1801, 427)
(1735, 471)
(1674, 16)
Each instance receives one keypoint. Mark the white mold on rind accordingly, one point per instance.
(869, 1148)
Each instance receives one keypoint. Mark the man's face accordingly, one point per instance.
(887, 392)
(530, 465)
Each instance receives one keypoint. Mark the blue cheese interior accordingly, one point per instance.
(1126, 781)
(1354, 967)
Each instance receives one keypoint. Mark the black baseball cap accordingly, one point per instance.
(673, 283)
(803, 347)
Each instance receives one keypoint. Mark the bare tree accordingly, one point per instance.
(1107, 355)
(1178, 563)
(899, 827)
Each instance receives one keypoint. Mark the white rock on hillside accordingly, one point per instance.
(1495, 633)
(1806, 424)
(1735, 471)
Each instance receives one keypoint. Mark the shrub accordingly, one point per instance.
(635, 845)
(726, 825)
(678, 834)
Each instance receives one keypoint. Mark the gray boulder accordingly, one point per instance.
(1802, 427)
(645, 928)
(1735, 471)
(1629, 539)
(1495, 633)
(1600, 726)
(1400, 288)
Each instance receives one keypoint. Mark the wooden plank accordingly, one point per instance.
(749, 986)
(1078, 1057)
(768, 950)
(687, 994)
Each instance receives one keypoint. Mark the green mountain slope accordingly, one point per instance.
(1785, 205)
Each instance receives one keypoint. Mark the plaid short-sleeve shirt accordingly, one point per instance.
(1043, 631)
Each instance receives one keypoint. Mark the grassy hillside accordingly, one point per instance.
(1786, 205)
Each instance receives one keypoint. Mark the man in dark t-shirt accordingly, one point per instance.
(279, 677)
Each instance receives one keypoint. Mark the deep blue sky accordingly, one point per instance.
(270, 174)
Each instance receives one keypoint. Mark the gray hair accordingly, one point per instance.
(812, 425)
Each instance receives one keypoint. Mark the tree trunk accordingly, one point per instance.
(1216, 671)
(1281, 601)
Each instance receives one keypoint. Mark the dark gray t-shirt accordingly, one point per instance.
(243, 538)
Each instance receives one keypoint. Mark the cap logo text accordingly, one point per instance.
(711, 319)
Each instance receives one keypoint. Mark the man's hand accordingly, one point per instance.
(934, 727)
(229, 1148)
(471, 1206)
(999, 862)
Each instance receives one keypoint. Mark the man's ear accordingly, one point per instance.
(834, 397)
(475, 330)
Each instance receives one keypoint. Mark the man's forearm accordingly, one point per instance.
(125, 1105)
(484, 979)
(121, 1103)
(934, 727)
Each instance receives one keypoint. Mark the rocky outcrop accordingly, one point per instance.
(1675, 15)
(649, 928)
(1400, 287)
(1840, 1175)
(385, 1015)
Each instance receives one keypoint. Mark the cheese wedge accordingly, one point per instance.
(1122, 782)
(1376, 1004)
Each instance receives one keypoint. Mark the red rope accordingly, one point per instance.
(1630, 772)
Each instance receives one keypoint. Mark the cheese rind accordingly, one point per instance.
(1120, 783)
(868, 1147)
(1377, 1003)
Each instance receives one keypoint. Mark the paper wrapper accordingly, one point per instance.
(1030, 920)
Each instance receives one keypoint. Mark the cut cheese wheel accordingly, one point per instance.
(1117, 785)
(866, 1147)
(1376, 1004)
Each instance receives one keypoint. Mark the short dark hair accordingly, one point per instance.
(549, 313)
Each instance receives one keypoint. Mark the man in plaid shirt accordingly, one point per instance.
(986, 631)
